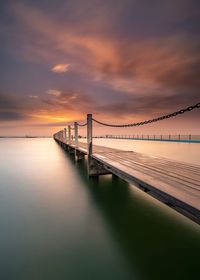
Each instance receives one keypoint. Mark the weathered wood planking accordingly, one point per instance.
(177, 184)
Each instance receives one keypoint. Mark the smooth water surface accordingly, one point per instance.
(56, 224)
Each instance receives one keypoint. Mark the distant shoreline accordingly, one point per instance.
(25, 137)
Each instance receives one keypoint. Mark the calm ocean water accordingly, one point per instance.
(56, 224)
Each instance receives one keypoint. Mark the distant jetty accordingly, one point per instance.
(26, 136)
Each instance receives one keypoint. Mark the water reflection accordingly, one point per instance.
(157, 242)
(57, 224)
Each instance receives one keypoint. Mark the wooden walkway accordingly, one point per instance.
(174, 183)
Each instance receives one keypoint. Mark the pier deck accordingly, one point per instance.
(177, 184)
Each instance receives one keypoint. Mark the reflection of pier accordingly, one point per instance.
(174, 183)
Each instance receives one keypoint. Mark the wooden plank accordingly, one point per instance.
(184, 202)
(193, 176)
(190, 177)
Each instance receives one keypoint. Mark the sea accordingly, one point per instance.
(57, 224)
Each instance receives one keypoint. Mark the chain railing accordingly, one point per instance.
(66, 135)
(82, 124)
(174, 114)
(154, 137)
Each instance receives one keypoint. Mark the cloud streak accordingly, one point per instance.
(54, 92)
(60, 68)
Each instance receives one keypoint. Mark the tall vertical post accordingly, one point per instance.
(69, 134)
(65, 135)
(94, 168)
(76, 134)
(89, 134)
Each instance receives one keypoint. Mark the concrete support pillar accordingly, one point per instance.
(79, 155)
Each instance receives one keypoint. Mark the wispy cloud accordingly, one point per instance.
(54, 92)
(33, 96)
(60, 68)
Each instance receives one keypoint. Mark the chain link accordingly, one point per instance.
(79, 124)
(174, 114)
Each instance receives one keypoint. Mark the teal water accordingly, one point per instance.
(56, 224)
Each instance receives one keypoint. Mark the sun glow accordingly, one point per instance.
(53, 118)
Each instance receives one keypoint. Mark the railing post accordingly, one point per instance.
(65, 135)
(89, 134)
(94, 168)
(76, 134)
(69, 134)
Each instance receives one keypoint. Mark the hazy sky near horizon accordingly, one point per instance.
(123, 61)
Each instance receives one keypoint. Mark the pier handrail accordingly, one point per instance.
(90, 120)
(176, 185)
(174, 114)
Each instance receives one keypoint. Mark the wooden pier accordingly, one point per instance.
(174, 183)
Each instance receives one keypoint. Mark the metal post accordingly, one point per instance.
(69, 134)
(89, 134)
(76, 134)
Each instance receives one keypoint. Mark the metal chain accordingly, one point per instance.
(79, 124)
(174, 114)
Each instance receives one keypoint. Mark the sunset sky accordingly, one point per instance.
(124, 61)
